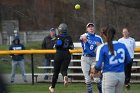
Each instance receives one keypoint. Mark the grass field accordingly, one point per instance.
(72, 88)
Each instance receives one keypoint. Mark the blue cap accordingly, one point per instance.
(52, 29)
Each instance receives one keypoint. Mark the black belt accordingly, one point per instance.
(87, 55)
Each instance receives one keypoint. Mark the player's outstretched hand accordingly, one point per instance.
(94, 73)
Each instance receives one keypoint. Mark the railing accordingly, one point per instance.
(6, 52)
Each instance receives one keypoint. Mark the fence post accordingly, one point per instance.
(32, 68)
(25, 37)
(1, 42)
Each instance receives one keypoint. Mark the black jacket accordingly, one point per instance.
(64, 42)
(48, 43)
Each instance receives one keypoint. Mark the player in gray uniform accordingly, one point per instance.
(89, 42)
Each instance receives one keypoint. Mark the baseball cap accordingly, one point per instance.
(90, 24)
(52, 30)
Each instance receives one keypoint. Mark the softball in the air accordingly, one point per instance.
(77, 6)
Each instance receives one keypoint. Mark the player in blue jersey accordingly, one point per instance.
(111, 58)
(89, 42)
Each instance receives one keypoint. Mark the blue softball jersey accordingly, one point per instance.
(90, 46)
(112, 63)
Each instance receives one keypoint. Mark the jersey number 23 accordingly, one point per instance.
(118, 56)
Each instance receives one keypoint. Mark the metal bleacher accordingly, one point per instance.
(75, 73)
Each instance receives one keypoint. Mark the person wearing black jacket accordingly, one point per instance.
(62, 58)
(48, 43)
(17, 59)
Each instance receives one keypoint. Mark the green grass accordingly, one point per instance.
(33, 45)
(72, 88)
(4, 47)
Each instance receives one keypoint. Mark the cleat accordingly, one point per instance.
(65, 81)
(127, 87)
(51, 89)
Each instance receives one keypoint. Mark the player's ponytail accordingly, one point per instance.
(109, 33)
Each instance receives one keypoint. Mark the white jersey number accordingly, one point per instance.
(118, 56)
(91, 47)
